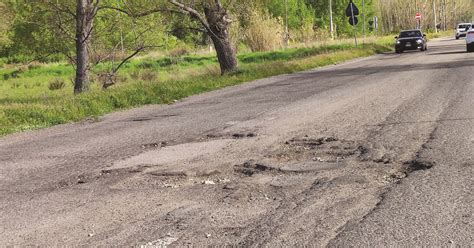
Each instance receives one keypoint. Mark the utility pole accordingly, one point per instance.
(445, 10)
(363, 19)
(331, 20)
(455, 18)
(435, 17)
(416, 11)
(287, 35)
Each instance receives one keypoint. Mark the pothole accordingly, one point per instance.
(250, 168)
(155, 145)
(243, 135)
(418, 164)
(308, 143)
(322, 149)
(237, 135)
(169, 173)
(150, 118)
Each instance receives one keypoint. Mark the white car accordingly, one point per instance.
(470, 40)
(461, 29)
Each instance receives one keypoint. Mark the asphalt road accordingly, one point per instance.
(373, 152)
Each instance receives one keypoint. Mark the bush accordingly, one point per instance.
(19, 59)
(213, 70)
(135, 75)
(321, 34)
(148, 76)
(264, 32)
(305, 33)
(23, 69)
(16, 85)
(56, 84)
(178, 52)
(146, 65)
(34, 65)
(16, 73)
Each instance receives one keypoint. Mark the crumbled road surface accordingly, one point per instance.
(373, 152)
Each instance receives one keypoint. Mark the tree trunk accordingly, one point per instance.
(218, 21)
(84, 18)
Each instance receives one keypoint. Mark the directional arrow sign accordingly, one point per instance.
(353, 21)
(351, 9)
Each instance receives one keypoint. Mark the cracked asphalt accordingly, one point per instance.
(373, 152)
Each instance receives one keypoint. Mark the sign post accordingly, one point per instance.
(331, 19)
(352, 11)
(418, 20)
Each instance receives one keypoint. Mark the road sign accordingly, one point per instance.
(352, 9)
(418, 16)
(353, 20)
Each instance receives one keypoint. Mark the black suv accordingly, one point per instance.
(410, 40)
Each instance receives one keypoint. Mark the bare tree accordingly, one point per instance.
(215, 20)
(400, 14)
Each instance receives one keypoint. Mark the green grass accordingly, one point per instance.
(26, 102)
(446, 33)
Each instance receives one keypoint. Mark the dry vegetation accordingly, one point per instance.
(400, 14)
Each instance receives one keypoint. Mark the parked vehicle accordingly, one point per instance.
(461, 30)
(470, 40)
(410, 40)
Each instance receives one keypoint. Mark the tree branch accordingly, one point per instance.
(193, 13)
(142, 14)
(63, 10)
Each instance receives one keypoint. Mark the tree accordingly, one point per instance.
(215, 20)
(5, 23)
(84, 31)
(86, 11)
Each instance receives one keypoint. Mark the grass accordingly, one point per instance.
(26, 103)
(440, 34)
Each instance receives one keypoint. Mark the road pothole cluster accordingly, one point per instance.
(251, 168)
(321, 149)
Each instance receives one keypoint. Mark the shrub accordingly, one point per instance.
(321, 34)
(15, 85)
(18, 59)
(148, 76)
(305, 33)
(121, 78)
(264, 32)
(165, 62)
(178, 52)
(146, 65)
(56, 84)
(135, 75)
(106, 79)
(236, 33)
(34, 65)
(16, 73)
(213, 70)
